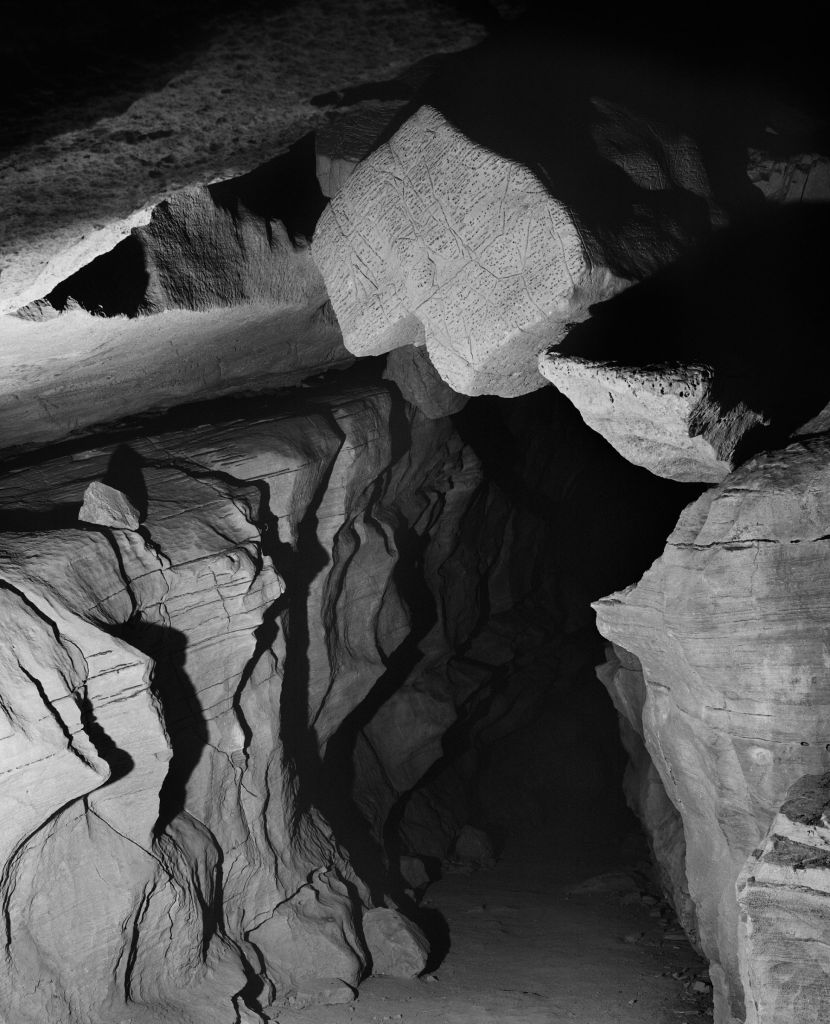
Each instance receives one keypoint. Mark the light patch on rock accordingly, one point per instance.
(665, 417)
(434, 232)
(105, 506)
(398, 947)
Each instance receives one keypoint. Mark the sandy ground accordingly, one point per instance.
(539, 943)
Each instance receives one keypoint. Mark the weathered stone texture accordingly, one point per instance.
(199, 666)
(728, 628)
(434, 233)
(783, 895)
(662, 417)
(804, 178)
(239, 99)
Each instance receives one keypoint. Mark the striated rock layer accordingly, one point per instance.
(168, 696)
(729, 629)
(783, 893)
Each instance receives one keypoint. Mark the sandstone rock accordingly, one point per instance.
(474, 847)
(212, 116)
(731, 650)
(494, 258)
(321, 992)
(782, 894)
(664, 418)
(206, 300)
(622, 676)
(414, 872)
(105, 506)
(398, 947)
(464, 246)
(412, 370)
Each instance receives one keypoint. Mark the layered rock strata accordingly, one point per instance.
(209, 299)
(733, 657)
(664, 418)
(171, 693)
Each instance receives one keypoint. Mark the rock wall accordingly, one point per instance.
(170, 692)
(732, 648)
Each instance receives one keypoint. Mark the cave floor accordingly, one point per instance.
(536, 942)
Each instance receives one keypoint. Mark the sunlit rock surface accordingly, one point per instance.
(803, 178)
(239, 96)
(434, 235)
(783, 892)
(733, 658)
(172, 693)
(665, 418)
(209, 299)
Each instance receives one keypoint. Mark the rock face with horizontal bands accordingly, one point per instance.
(171, 693)
(733, 653)
(665, 417)
(783, 892)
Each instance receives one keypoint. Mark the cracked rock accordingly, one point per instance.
(105, 506)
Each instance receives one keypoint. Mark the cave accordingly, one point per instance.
(413, 424)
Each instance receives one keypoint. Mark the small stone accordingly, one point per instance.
(473, 847)
(105, 506)
(398, 947)
(633, 937)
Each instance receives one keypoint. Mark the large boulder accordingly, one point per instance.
(438, 240)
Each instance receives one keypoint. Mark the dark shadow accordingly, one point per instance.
(752, 303)
(284, 189)
(538, 110)
(113, 284)
(62, 516)
(571, 483)
(124, 473)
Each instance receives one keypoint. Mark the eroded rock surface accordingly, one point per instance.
(462, 245)
(178, 686)
(241, 98)
(665, 418)
(207, 300)
(783, 893)
(803, 178)
(732, 654)
(397, 946)
(435, 233)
